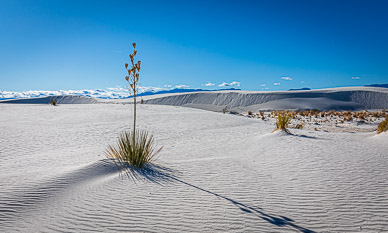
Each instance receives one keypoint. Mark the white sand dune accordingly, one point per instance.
(352, 98)
(344, 98)
(322, 103)
(216, 173)
(61, 99)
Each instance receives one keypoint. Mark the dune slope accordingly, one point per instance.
(216, 173)
(62, 99)
(358, 98)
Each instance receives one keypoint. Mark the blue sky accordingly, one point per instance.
(263, 45)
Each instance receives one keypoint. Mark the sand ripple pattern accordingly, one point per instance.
(217, 173)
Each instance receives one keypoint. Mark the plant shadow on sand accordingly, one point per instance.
(159, 174)
(154, 173)
(304, 136)
(280, 133)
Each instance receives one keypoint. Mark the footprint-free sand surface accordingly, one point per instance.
(216, 173)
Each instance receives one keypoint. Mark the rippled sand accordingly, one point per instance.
(216, 173)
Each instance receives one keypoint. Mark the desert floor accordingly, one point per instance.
(216, 173)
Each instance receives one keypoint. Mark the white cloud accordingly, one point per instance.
(265, 88)
(355, 77)
(263, 85)
(117, 89)
(168, 86)
(225, 84)
(276, 84)
(150, 89)
(181, 86)
(287, 78)
(209, 84)
(234, 83)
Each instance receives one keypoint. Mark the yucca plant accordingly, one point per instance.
(383, 126)
(138, 152)
(282, 121)
(135, 148)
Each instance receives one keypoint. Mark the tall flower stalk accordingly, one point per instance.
(134, 148)
(133, 79)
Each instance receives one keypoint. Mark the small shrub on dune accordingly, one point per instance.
(261, 115)
(383, 126)
(283, 119)
(299, 126)
(225, 110)
(53, 101)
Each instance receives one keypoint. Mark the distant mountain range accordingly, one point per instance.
(98, 93)
(371, 85)
(300, 89)
(377, 85)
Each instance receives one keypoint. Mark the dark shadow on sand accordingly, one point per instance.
(154, 173)
(160, 174)
(304, 136)
(289, 133)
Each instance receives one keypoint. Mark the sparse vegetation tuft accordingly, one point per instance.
(225, 110)
(53, 101)
(283, 119)
(383, 126)
(299, 126)
(307, 118)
